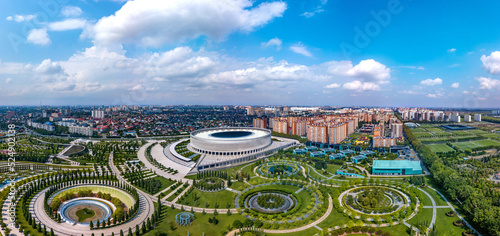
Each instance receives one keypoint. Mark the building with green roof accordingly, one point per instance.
(396, 167)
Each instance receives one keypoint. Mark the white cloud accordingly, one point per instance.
(311, 14)
(370, 69)
(431, 82)
(274, 42)
(21, 18)
(71, 11)
(491, 63)
(358, 85)
(301, 49)
(39, 37)
(455, 85)
(334, 85)
(153, 23)
(432, 95)
(412, 67)
(451, 50)
(8, 80)
(68, 24)
(488, 83)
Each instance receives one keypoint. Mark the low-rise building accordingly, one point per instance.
(396, 167)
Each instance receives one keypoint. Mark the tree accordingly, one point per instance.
(237, 224)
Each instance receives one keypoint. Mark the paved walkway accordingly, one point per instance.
(433, 220)
(157, 154)
(453, 209)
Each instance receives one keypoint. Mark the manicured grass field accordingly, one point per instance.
(84, 214)
(120, 194)
(418, 130)
(199, 226)
(437, 198)
(488, 142)
(467, 145)
(331, 168)
(444, 224)
(423, 135)
(239, 186)
(440, 148)
(424, 215)
(209, 200)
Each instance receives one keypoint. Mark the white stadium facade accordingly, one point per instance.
(229, 146)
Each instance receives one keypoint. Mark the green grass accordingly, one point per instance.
(311, 231)
(331, 168)
(488, 142)
(440, 148)
(444, 224)
(115, 192)
(239, 186)
(424, 215)
(222, 198)
(334, 219)
(467, 145)
(200, 224)
(426, 201)
(84, 214)
(437, 198)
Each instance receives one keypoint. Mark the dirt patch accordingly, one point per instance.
(72, 213)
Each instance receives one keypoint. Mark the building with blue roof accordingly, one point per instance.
(357, 159)
(311, 148)
(337, 156)
(348, 152)
(299, 151)
(316, 154)
(396, 167)
(327, 150)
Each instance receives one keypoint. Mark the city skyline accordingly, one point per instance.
(250, 53)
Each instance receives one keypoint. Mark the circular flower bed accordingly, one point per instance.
(374, 200)
(271, 202)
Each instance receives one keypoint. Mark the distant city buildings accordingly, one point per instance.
(97, 114)
(87, 131)
(46, 126)
(260, 123)
(467, 118)
(477, 117)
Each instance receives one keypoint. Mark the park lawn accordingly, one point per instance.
(222, 198)
(461, 133)
(444, 224)
(257, 181)
(426, 201)
(332, 168)
(240, 186)
(334, 219)
(437, 198)
(165, 183)
(399, 230)
(84, 214)
(439, 148)
(199, 226)
(424, 215)
(248, 170)
(309, 232)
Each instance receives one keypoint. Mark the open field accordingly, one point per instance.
(476, 144)
(440, 148)
(444, 224)
(197, 198)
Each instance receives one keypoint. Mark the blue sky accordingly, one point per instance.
(318, 52)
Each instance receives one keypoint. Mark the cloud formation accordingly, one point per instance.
(274, 42)
(431, 82)
(39, 37)
(153, 23)
(491, 63)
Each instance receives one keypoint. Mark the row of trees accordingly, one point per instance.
(270, 200)
(478, 200)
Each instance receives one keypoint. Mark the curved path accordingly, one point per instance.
(283, 231)
(146, 210)
(452, 208)
(433, 220)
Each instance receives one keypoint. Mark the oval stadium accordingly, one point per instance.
(215, 148)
